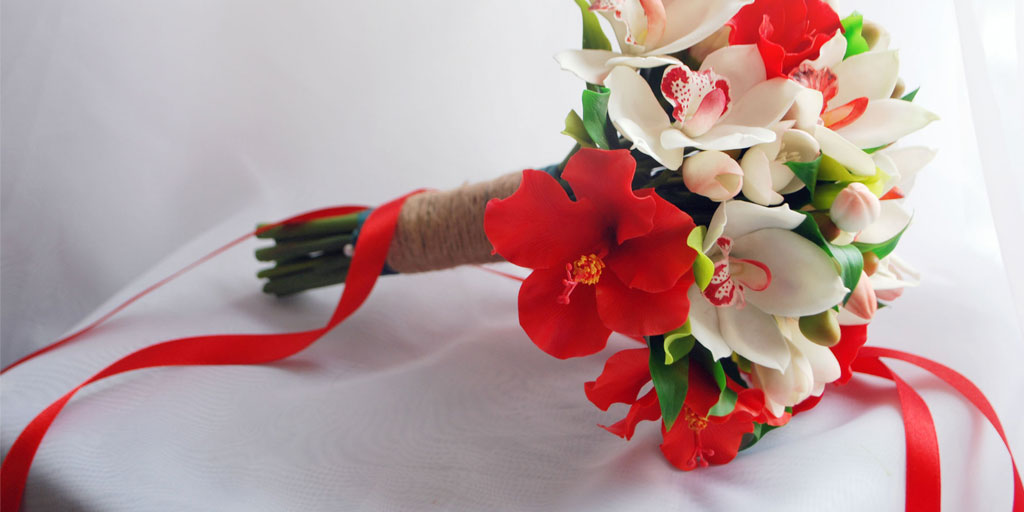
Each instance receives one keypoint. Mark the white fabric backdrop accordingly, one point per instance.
(129, 129)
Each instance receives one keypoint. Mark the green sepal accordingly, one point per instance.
(807, 172)
(575, 129)
(593, 36)
(595, 117)
(911, 95)
(849, 257)
(670, 381)
(881, 249)
(678, 343)
(703, 267)
(853, 28)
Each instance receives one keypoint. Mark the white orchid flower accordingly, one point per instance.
(811, 367)
(857, 110)
(762, 269)
(647, 30)
(765, 174)
(726, 104)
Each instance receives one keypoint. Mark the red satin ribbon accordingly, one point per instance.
(367, 263)
(924, 487)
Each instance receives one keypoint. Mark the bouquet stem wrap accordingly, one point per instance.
(438, 230)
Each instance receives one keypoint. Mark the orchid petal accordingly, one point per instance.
(909, 161)
(704, 324)
(757, 178)
(806, 109)
(885, 121)
(741, 65)
(744, 218)
(764, 104)
(845, 152)
(723, 137)
(755, 335)
(823, 363)
(688, 22)
(804, 279)
(590, 65)
(892, 220)
(869, 75)
(636, 113)
(831, 53)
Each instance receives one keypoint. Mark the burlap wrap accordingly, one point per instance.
(439, 230)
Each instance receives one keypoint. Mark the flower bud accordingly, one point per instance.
(713, 174)
(822, 328)
(855, 208)
(863, 301)
(871, 263)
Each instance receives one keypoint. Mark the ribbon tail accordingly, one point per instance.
(924, 482)
(367, 262)
(965, 387)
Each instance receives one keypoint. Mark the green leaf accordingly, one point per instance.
(807, 172)
(760, 429)
(575, 129)
(678, 343)
(595, 117)
(670, 381)
(881, 249)
(849, 257)
(853, 27)
(727, 397)
(911, 95)
(593, 36)
(725, 405)
(876, 149)
(703, 267)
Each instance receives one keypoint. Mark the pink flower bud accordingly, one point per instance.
(855, 208)
(863, 301)
(713, 174)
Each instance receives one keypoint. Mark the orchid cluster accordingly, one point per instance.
(733, 201)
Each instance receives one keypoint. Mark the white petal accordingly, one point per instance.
(636, 113)
(687, 22)
(831, 53)
(764, 104)
(743, 218)
(753, 334)
(877, 36)
(783, 179)
(885, 121)
(640, 62)
(716, 227)
(847, 318)
(822, 361)
(723, 137)
(888, 166)
(757, 178)
(806, 109)
(713, 174)
(740, 64)
(590, 65)
(789, 387)
(894, 217)
(909, 161)
(704, 324)
(804, 279)
(867, 75)
(845, 152)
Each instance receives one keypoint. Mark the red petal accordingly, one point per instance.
(646, 408)
(808, 404)
(635, 312)
(679, 445)
(853, 337)
(655, 262)
(702, 391)
(845, 115)
(606, 179)
(724, 439)
(772, 54)
(562, 330)
(540, 227)
(624, 375)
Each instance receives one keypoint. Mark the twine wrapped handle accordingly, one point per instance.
(439, 230)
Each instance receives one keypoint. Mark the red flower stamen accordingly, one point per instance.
(585, 270)
(700, 454)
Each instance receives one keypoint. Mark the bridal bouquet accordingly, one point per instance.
(732, 202)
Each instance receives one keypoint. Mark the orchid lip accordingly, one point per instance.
(733, 276)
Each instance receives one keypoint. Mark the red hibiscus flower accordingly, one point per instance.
(696, 439)
(787, 32)
(612, 260)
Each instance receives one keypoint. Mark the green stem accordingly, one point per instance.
(325, 262)
(296, 283)
(342, 224)
(288, 250)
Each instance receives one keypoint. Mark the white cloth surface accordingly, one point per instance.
(131, 128)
